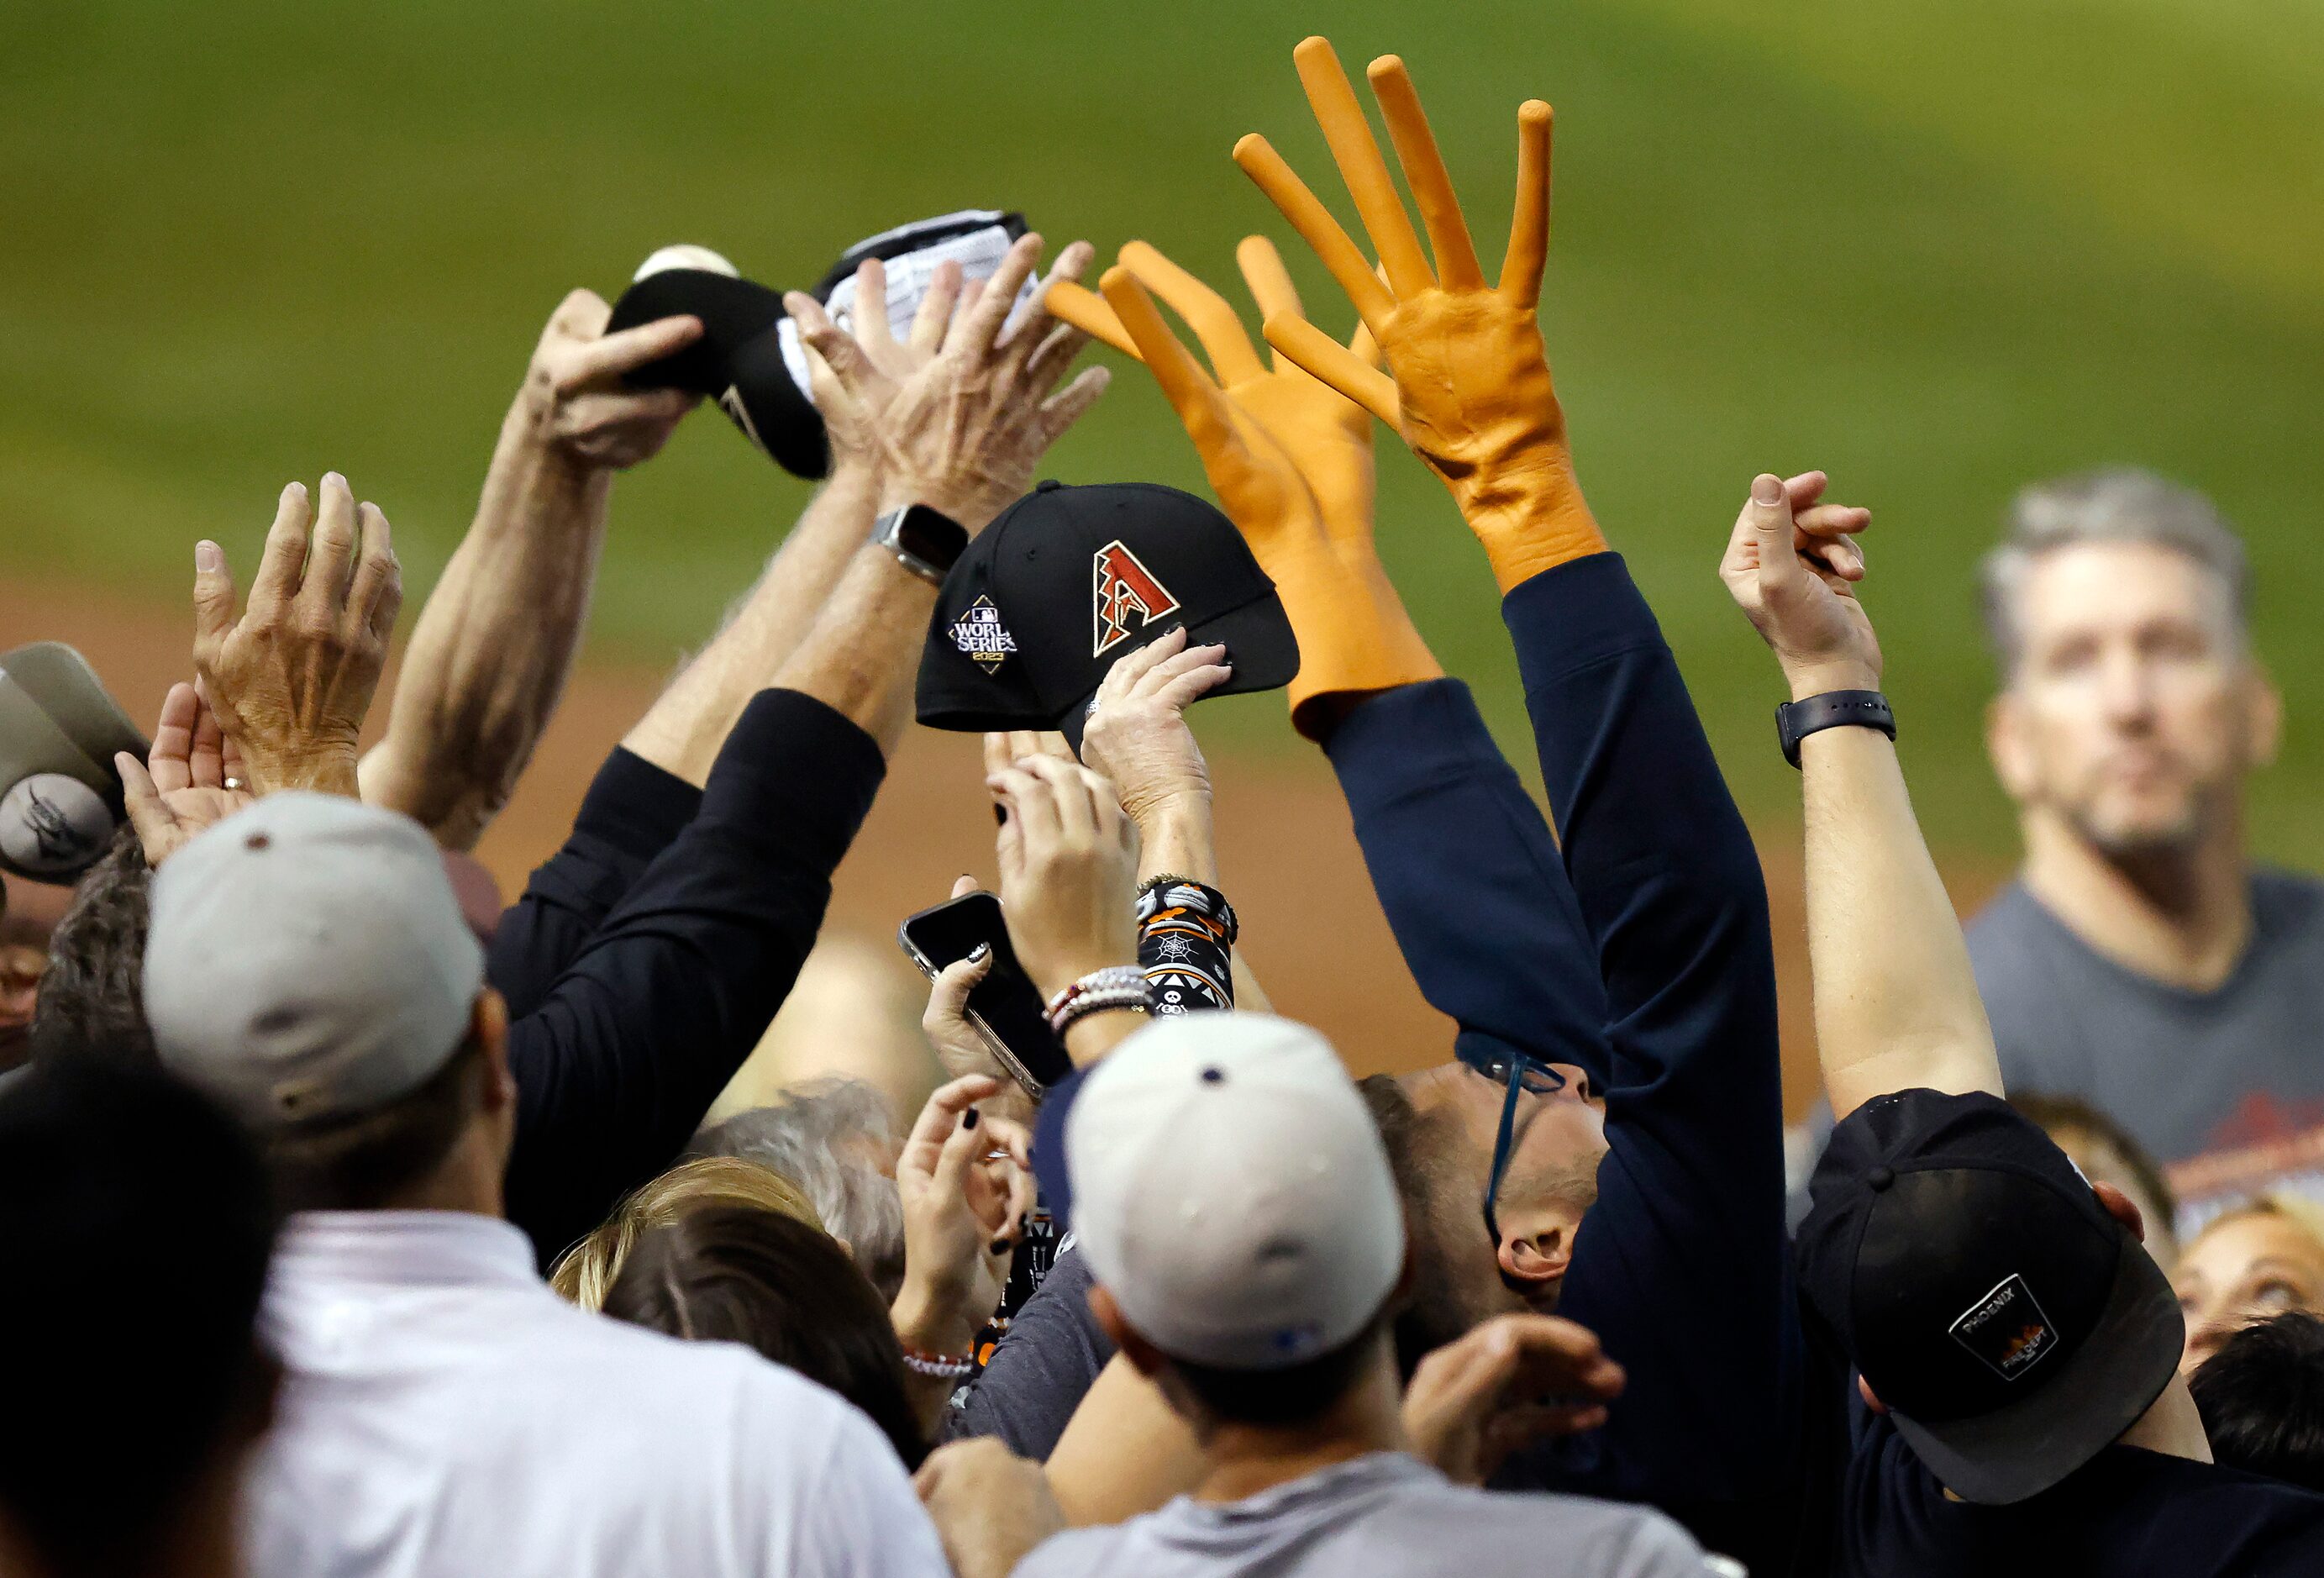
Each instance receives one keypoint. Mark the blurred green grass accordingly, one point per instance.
(1939, 249)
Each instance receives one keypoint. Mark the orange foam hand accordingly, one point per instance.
(1290, 460)
(1471, 390)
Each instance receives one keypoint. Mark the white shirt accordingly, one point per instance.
(444, 1414)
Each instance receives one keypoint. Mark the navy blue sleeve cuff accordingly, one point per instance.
(1575, 614)
(1408, 738)
(797, 776)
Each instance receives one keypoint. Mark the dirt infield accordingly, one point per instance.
(1311, 929)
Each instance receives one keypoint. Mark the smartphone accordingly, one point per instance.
(1005, 1007)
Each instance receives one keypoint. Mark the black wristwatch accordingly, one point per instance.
(927, 543)
(1834, 709)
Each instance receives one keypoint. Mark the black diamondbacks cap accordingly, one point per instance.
(2010, 1325)
(1067, 580)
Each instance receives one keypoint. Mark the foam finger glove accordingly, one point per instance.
(1469, 389)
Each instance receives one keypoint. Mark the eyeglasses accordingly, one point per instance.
(1514, 1073)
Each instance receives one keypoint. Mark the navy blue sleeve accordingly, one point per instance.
(1469, 878)
(1682, 1266)
(631, 813)
(663, 1003)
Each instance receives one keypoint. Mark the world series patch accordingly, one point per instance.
(979, 633)
(2006, 1330)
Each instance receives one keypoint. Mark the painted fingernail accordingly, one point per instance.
(968, 1119)
(1001, 1246)
(999, 815)
(976, 955)
(209, 557)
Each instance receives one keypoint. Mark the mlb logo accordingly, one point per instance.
(981, 636)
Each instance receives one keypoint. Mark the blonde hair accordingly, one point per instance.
(584, 1272)
(2299, 1210)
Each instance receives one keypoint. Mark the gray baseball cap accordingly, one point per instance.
(59, 799)
(307, 960)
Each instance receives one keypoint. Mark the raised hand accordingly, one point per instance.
(965, 1179)
(1471, 390)
(190, 780)
(1068, 870)
(574, 399)
(1290, 459)
(962, 430)
(1792, 566)
(293, 678)
(1509, 1382)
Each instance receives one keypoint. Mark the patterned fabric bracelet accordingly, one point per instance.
(1157, 896)
(940, 1366)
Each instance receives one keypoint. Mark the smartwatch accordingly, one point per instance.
(1834, 709)
(926, 542)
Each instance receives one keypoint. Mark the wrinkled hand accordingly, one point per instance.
(1138, 737)
(1068, 870)
(191, 778)
(991, 1507)
(1791, 566)
(573, 400)
(291, 679)
(1471, 391)
(963, 430)
(1512, 1380)
(966, 1181)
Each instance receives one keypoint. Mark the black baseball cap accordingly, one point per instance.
(2011, 1326)
(1068, 579)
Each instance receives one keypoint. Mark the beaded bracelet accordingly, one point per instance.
(1115, 987)
(940, 1366)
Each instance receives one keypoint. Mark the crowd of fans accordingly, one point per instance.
(354, 1226)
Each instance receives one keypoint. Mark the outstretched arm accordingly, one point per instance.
(649, 1023)
(1896, 1004)
(494, 642)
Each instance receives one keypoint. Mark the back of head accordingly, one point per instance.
(778, 1285)
(829, 1137)
(2113, 504)
(135, 1231)
(1235, 1202)
(2261, 1398)
(309, 969)
(91, 997)
(588, 1269)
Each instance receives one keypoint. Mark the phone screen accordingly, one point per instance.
(1006, 1000)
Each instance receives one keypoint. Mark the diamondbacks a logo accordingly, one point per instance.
(1127, 596)
(979, 633)
(2006, 1330)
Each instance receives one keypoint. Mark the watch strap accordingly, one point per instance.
(1834, 709)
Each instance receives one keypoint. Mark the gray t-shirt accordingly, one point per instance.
(1043, 1365)
(1387, 1513)
(2186, 1073)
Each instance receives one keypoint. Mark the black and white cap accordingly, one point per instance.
(750, 359)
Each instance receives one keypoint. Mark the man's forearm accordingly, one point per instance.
(861, 658)
(682, 731)
(492, 649)
(1895, 1003)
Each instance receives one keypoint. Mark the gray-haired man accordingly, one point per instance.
(2140, 960)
